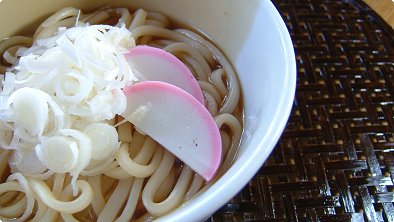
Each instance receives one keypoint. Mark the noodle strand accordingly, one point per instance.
(81, 202)
(125, 178)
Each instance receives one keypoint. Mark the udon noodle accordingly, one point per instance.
(143, 180)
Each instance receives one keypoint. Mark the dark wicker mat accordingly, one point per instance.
(335, 160)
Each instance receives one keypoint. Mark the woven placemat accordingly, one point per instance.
(334, 161)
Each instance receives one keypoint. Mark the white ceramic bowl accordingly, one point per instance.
(254, 38)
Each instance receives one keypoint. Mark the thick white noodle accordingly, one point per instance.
(136, 172)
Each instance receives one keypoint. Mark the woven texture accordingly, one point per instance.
(335, 159)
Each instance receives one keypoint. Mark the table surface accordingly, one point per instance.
(385, 8)
(335, 159)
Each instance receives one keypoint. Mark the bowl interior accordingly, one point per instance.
(253, 37)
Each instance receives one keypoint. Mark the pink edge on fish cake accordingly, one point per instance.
(162, 54)
(210, 122)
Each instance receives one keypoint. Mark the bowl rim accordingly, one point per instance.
(223, 189)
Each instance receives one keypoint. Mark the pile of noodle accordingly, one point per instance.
(143, 180)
